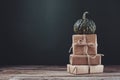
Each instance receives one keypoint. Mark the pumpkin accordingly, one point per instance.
(84, 25)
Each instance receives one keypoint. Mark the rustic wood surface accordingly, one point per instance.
(34, 72)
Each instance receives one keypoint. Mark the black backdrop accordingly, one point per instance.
(39, 31)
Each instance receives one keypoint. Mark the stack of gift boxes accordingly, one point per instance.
(84, 58)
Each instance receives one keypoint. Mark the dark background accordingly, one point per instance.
(39, 31)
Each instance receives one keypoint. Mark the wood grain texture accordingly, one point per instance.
(40, 72)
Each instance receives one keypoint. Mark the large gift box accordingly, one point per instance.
(85, 59)
(84, 44)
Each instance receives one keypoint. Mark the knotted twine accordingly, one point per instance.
(86, 45)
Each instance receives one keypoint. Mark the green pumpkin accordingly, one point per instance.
(84, 25)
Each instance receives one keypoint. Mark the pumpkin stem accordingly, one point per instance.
(84, 15)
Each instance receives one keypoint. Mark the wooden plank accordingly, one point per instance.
(111, 72)
(65, 78)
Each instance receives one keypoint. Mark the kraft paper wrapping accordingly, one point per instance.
(84, 69)
(84, 44)
(81, 49)
(77, 69)
(83, 59)
(90, 38)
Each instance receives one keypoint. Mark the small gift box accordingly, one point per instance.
(84, 44)
(89, 38)
(77, 69)
(85, 59)
(84, 69)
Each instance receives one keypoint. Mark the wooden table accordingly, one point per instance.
(39, 72)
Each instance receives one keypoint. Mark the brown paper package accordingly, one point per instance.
(83, 59)
(84, 39)
(80, 50)
(84, 69)
(90, 38)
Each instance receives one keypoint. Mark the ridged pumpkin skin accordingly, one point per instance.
(84, 25)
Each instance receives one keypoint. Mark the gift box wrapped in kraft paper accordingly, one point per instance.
(84, 69)
(85, 59)
(84, 44)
